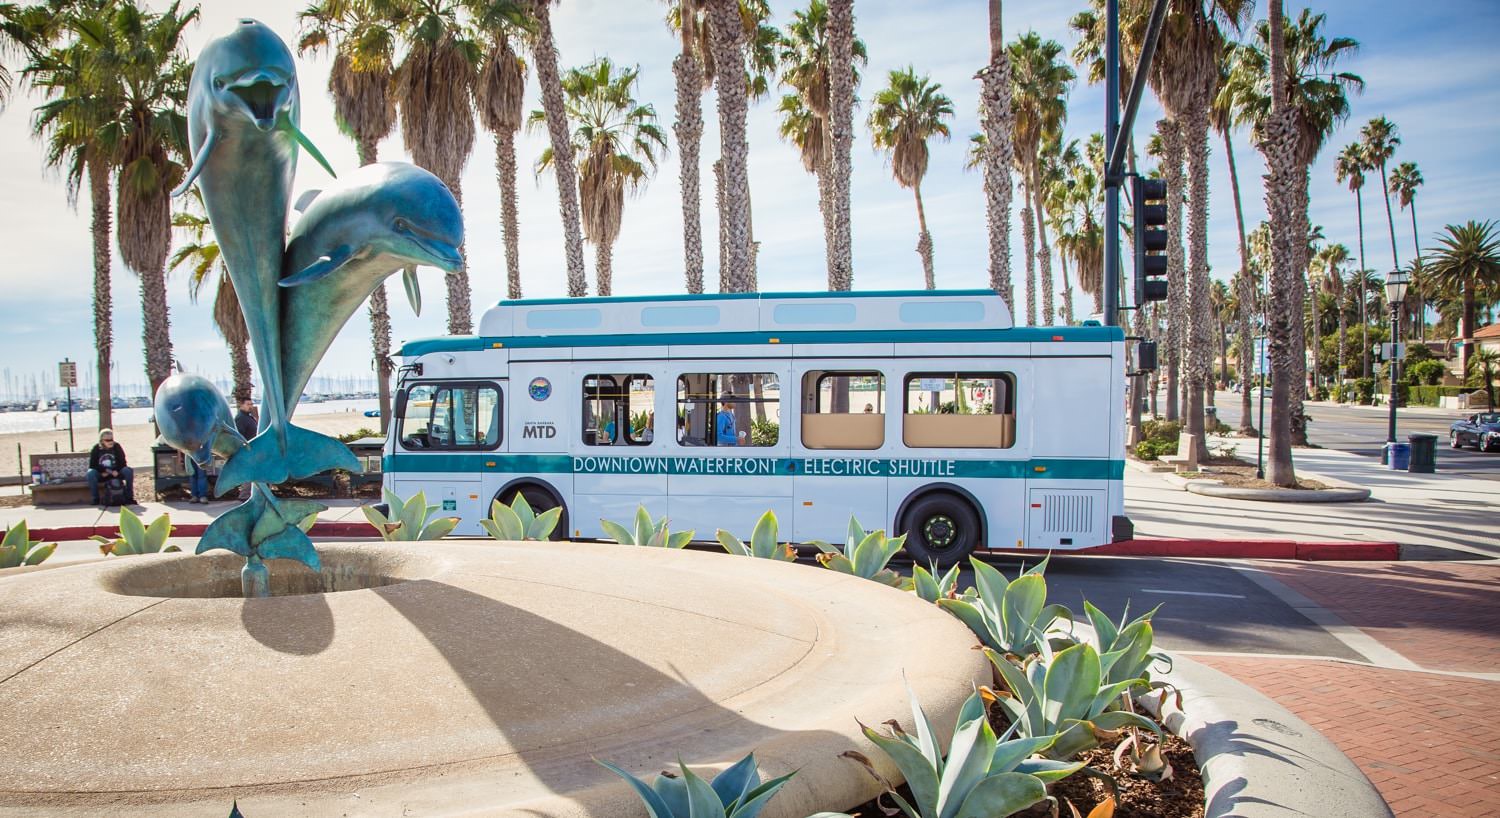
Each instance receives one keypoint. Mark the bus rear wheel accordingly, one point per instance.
(540, 499)
(940, 528)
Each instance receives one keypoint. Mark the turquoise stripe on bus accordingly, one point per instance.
(936, 468)
(627, 299)
(473, 343)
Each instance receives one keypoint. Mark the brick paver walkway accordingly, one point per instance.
(1440, 615)
(1422, 738)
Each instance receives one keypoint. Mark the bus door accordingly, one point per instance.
(620, 453)
(444, 431)
(729, 449)
(839, 449)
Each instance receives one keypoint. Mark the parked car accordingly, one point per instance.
(1482, 431)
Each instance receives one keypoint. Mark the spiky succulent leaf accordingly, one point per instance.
(617, 532)
(132, 530)
(740, 778)
(1071, 683)
(655, 806)
(1048, 770)
(39, 554)
(732, 543)
(918, 771)
(702, 800)
(968, 763)
(1003, 794)
(755, 800)
(157, 533)
(1104, 628)
(381, 523)
(506, 521)
(925, 584)
(541, 525)
(680, 539)
(1009, 755)
(853, 536)
(763, 538)
(17, 537)
(523, 510)
(673, 792)
(438, 529)
(643, 526)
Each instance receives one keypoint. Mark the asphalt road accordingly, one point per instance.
(1363, 431)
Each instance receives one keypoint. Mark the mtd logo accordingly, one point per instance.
(538, 430)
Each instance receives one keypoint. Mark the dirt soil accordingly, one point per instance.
(1232, 471)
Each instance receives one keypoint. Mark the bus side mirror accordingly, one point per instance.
(400, 403)
(1145, 356)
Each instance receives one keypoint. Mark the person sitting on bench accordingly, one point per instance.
(106, 462)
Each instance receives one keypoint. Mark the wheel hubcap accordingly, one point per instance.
(940, 531)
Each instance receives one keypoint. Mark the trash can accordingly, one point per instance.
(1398, 456)
(1423, 453)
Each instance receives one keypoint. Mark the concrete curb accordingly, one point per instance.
(1258, 759)
(1213, 488)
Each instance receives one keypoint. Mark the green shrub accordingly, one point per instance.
(517, 522)
(1011, 617)
(763, 542)
(864, 555)
(764, 433)
(137, 537)
(1065, 697)
(1158, 437)
(652, 534)
(1426, 372)
(735, 793)
(409, 520)
(17, 548)
(930, 586)
(358, 434)
(1364, 391)
(1433, 395)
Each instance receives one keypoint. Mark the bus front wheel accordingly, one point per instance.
(940, 528)
(540, 499)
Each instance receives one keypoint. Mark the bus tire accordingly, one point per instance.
(940, 528)
(541, 498)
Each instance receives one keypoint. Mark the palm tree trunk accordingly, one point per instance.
(1390, 220)
(1298, 249)
(723, 227)
(544, 50)
(1245, 293)
(1171, 171)
(104, 332)
(239, 370)
(1343, 341)
(924, 241)
(157, 325)
(1043, 251)
(689, 131)
(1067, 289)
(841, 133)
(1418, 286)
(825, 207)
(1278, 142)
(1028, 246)
(729, 66)
(380, 319)
(510, 227)
(1364, 321)
(460, 298)
(1315, 340)
(604, 260)
(997, 120)
(1199, 341)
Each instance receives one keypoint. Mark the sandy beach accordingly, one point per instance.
(137, 440)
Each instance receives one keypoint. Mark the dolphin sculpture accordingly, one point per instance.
(193, 418)
(243, 113)
(379, 219)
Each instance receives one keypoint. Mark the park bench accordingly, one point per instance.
(1186, 458)
(170, 470)
(368, 450)
(65, 478)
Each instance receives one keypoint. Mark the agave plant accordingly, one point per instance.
(137, 537)
(409, 519)
(17, 548)
(1010, 617)
(653, 534)
(517, 521)
(736, 792)
(1064, 697)
(865, 555)
(982, 777)
(932, 586)
(763, 542)
(1124, 647)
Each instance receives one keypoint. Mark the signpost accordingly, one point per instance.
(67, 375)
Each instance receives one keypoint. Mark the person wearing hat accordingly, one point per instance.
(106, 462)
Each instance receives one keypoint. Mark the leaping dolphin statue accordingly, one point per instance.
(243, 114)
(379, 219)
(193, 418)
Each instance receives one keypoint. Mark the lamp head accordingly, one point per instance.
(1395, 287)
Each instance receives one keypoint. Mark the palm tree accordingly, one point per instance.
(998, 154)
(1405, 180)
(841, 133)
(1331, 260)
(1221, 118)
(81, 100)
(688, 68)
(1055, 173)
(617, 142)
(544, 52)
(498, 95)
(1350, 168)
(726, 27)
(1465, 262)
(1380, 143)
(805, 58)
(1039, 88)
(1285, 87)
(199, 253)
(904, 115)
(364, 103)
(152, 72)
(1482, 367)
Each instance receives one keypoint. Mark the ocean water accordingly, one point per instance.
(11, 422)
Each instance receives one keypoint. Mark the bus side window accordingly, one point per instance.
(843, 410)
(618, 410)
(959, 410)
(417, 418)
(733, 409)
(451, 416)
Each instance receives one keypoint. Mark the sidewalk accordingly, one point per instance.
(1442, 510)
(1408, 717)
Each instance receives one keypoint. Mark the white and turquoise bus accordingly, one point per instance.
(928, 413)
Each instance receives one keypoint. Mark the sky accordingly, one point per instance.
(1430, 68)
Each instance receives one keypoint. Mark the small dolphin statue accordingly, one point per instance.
(382, 218)
(193, 418)
(243, 113)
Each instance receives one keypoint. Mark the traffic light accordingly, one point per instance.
(1149, 197)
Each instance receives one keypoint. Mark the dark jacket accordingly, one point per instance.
(116, 454)
(246, 424)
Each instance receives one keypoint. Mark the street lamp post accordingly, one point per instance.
(1395, 295)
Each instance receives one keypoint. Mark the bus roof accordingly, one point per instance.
(753, 318)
